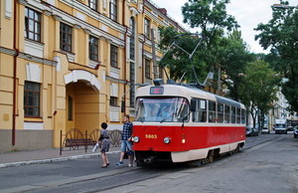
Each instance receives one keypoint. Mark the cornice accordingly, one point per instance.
(57, 18)
(87, 31)
(47, 13)
(37, 59)
(95, 15)
(134, 12)
(27, 57)
(115, 80)
(77, 26)
(167, 19)
(156, 19)
(23, 2)
(7, 51)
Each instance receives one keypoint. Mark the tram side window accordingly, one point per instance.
(238, 115)
(227, 114)
(200, 115)
(202, 111)
(243, 116)
(195, 115)
(211, 112)
(233, 115)
(220, 113)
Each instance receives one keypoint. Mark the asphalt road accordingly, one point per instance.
(268, 163)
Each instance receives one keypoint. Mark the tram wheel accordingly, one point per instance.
(237, 150)
(210, 156)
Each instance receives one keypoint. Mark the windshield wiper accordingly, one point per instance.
(168, 117)
(163, 119)
(185, 118)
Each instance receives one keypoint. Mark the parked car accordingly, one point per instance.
(265, 130)
(248, 131)
(290, 128)
(296, 131)
(252, 131)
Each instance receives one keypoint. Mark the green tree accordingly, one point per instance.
(281, 37)
(210, 16)
(212, 20)
(235, 57)
(258, 88)
(176, 57)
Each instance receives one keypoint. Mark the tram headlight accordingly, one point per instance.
(167, 140)
(136, 139)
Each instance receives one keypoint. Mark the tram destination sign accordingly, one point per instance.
(156, 90)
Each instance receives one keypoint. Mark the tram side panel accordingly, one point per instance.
(188, 143)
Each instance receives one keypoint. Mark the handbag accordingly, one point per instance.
(128, 153)
(95, 147)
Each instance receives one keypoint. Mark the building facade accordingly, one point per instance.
(280, 110)
(68, 64)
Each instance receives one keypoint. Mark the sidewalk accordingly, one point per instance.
(12, 159)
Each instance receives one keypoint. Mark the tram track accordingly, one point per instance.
(184, 169)
(97, 182)
(115, 179)
(189, 169)
(253, 146)
(262, 143)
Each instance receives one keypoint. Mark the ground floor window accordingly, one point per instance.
(113, 101)
(32, 99)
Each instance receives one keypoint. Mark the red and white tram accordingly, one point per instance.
(176, 123)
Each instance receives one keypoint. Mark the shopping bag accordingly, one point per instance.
(125, 155)
(128, 153)
(95, 147)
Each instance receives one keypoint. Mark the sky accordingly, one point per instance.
(248, 14)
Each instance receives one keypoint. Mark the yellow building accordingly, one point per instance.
(68, 64)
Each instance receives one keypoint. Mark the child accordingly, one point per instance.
(105, 144)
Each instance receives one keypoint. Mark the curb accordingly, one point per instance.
(52, 160)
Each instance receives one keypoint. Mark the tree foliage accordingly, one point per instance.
(281, 37)
(211, 18)
(247, 77)
(177, 58)
(234, 61)
(258, 88)
(208, 15)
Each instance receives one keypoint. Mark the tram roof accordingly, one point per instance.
(189, 92)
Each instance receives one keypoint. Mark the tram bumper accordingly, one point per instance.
(152, 157)
(149, 160)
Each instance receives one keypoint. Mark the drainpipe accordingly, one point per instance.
(143, 62)
(124, 56)
(14, 74)
(143, 49)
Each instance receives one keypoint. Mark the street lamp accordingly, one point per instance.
(282, 6)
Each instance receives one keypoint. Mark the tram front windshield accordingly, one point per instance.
(162, 109)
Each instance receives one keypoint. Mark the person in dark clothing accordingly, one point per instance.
(126, 141)
(104, 140)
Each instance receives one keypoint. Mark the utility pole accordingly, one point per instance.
(155, 67)
(218, 80)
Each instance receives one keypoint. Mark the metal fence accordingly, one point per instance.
(76, 139)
